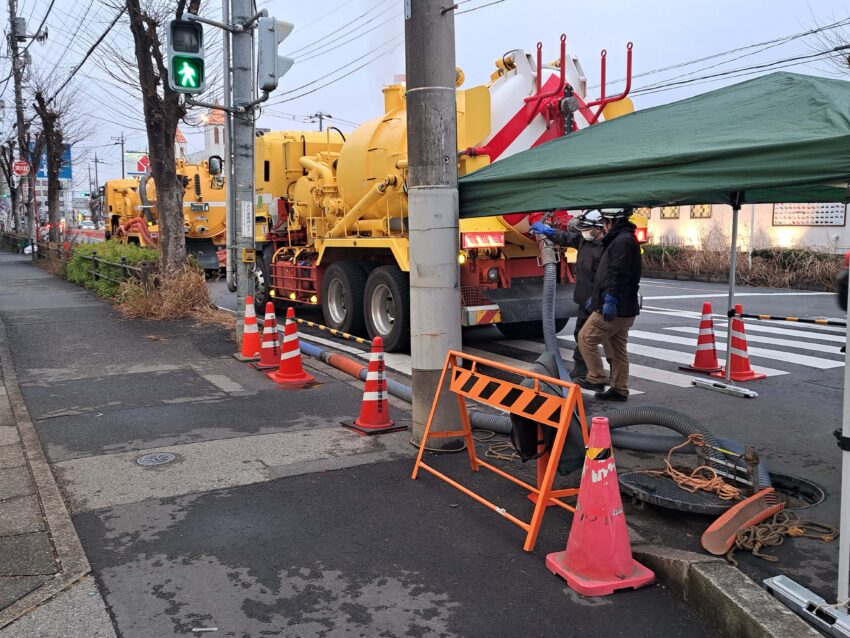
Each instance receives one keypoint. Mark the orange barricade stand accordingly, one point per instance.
(548, 410)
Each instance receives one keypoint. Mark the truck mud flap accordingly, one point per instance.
(204, 252)
(523, 302)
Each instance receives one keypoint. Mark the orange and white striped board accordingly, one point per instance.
(482, 239)
(480, 315)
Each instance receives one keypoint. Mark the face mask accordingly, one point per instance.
(588, 235)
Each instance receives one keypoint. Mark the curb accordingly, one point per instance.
(73, 564)
(722, 595)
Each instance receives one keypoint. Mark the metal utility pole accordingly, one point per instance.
(242, 150)
(120, 140)
(17, 33)
(432, 208)
(320, 116)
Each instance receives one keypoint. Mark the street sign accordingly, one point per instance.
(20, 168)
(136, 163)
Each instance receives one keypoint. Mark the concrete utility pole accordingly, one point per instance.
(120, 140)
(321, 115)
(242, 149)
(17, 33)
(432, 208)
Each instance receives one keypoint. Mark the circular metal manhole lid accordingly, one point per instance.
(156, 458)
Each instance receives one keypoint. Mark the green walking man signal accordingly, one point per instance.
(186, 57)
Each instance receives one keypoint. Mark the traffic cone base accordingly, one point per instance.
(705, 357)
(250, 335)
(740, 359)
(598, 558)
(291, 373)
(375, 409)
(638, 577)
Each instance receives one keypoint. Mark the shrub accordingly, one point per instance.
(79, 268)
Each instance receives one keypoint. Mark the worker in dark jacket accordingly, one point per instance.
(584, 233)
(613, 305)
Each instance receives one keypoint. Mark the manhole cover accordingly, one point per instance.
(156, 458)
(797, 493)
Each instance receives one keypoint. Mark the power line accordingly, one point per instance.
(43, 20)
(342, 28)
(336, 45)
(489, 4)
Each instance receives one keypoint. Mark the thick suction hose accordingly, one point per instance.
(498, 423)
(550, 333)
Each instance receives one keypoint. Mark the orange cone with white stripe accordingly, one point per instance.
(740, 359)
(270, 346)
(705, 359)
(250, 335)
(291, 373)
(375, 410)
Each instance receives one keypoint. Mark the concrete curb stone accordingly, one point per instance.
(66, 544)
(722, 595)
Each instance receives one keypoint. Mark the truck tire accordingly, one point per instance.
(387, 307)
(527, 329)
(262, 283)
(342, 296)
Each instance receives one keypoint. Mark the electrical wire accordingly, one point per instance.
(489, 4)
(336, 45)
(342, 28)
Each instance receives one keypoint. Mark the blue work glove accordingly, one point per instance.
(542, 229)
(588, 304)
(609, 307)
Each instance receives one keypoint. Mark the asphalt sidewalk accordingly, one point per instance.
(265, 517)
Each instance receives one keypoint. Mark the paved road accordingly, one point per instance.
(271, 520)
(790, 423)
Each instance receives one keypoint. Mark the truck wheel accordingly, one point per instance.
(387, 307)
(262, 284)
(342, 296)
(527, 329)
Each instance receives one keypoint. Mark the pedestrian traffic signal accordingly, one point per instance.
(186, 57)
(271, 66)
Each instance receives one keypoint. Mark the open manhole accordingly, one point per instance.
(797, 493)
(156, 458)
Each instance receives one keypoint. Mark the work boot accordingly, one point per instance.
(587, 385)
(611, 395)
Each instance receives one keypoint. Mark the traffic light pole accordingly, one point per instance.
(432, 209)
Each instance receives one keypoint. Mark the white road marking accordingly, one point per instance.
(223, 383)
(757, 338)
(802, 293)
(635, 369)
(674, 356)
(777, 355)
(519, 363)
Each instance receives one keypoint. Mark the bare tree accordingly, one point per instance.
(7, 158)
(163, 110)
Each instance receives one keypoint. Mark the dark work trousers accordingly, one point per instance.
(580, 367)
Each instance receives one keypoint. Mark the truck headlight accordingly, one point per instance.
(493, 274)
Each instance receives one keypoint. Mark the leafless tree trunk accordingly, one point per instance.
(7, 157)
(54, 147)
(163, 110)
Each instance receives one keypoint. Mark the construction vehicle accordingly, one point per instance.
(132, 216)
(335, 205)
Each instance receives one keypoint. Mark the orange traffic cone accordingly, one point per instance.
(740, 360)
(270, 348)
(598, 559)
(250, 336)
(375, 408)
(291, 373)
(705, 358)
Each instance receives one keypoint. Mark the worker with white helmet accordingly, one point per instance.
(584, 233)
(613, 306)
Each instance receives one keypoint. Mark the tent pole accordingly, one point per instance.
(733, 264)
(844, 539)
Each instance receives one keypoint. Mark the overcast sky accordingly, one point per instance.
(334, 37)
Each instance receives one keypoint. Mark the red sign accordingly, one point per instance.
(20, 168)
(144, 164)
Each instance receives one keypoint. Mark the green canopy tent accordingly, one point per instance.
(778, 138)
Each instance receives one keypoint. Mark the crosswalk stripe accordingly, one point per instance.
(754, 326)
(757, 338)
(674, 356)
(519, 363)
(635, 369)
(777, 355)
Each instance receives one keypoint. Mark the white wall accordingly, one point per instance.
(717, 231)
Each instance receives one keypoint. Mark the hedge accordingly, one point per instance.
(79, 269)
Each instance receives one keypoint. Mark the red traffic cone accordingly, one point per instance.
(705, 358)
(250, 335)
(291, 373)
(270, 347)
(375, 409)
(740, 359)
(598, 559)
